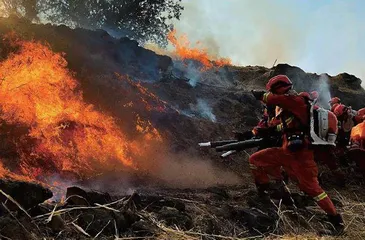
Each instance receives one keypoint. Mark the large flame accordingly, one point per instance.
(184, 51)
(68, 135)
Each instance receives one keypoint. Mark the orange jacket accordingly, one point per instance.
(360, 116)
(358, 135)
(295, 109)
(294, 116)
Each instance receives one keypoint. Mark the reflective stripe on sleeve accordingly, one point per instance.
(289, 120)
(266, 95)
(321, 197)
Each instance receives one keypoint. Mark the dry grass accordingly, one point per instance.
(292, 223)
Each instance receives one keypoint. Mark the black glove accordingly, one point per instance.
(262, 132)
(243, 136)
(258, 94)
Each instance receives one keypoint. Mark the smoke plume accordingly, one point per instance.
(316, 36)
(163, 169)
(205, 110)
(184, 171)
(324, 91)
(201, 109)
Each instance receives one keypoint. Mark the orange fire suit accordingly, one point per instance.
(266, 123)
(346, 126)
(299, 164)
(357, 150)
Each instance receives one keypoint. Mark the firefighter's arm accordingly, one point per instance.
(277, 126)
(272, 99)
(265, 132)
(360, 115)
(242, 136)
(284, 101)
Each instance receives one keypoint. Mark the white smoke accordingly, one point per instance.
(316, 36)
(205, 110)
(188, 70)
(201, 110)
(324, 91)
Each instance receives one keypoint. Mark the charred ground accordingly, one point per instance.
(186, 114)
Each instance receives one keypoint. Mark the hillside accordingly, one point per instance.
(158, 108)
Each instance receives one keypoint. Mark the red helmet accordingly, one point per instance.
(305, 94)
(279, 84)
(314, 95)
(340, 110)
(333, 107)
(334, 100)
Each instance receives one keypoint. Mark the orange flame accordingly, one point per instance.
(358, 133)
(183, 51)
(159, 105)
(5, 173)
(38, 91)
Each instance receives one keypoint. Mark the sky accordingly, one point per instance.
(316, 35)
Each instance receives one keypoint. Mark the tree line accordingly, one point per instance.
(142, 20)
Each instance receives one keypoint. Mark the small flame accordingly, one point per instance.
(150, 100)
(184, 52)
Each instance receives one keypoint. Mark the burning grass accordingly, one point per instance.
(68, 135)
(184, 51)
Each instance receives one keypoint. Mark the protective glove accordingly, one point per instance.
(242, 136)
(258, 94)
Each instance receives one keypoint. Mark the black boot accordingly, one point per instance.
(262, 198)
(286, 197)
(281, 193)
(285, 177)
(263, 195)
(337, 223)
(263, 190)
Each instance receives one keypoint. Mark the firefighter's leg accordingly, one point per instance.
(264, 163)
(306, 172)
(302, 165)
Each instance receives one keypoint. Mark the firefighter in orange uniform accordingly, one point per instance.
(269, 129)
(348, 119)
(265, 127)
(294, 156)
(357, 147)
(326, 154)
(334, 102)
(358, 135)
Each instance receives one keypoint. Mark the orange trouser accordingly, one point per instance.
(300, 167)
